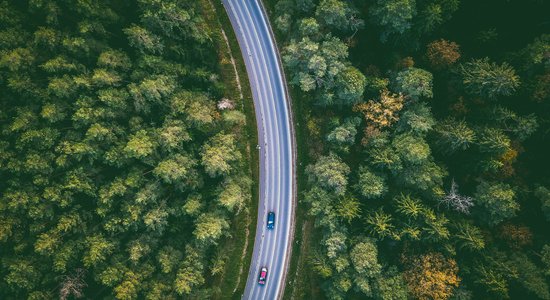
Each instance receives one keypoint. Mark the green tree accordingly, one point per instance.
(168, 259)
(496, 201)
(534, 54)
(380, 224)
(454, 135)
(197, 108)
(317, 67)
(350, 85)
(98, 250)
(432, 14)
(410, 207)
(411, 149)
(344, 135)
(144, 40)
(545, 258)
(543, 194)
(530, 276)
(390, 285)
(415, 83)
(364, 257)
(371, 185)
(175, 169)
(173, 20)
(322, 206)
(335, 243)
(309, 27)
(520, 127)
(348, 208)
(17, 60)
(140, 145)
(233, 193)
(425, 176)
(394, 16)
(320, 265)
(333, 13)
(219, 153)
(189, 274)
(329, 172)
(209, 227)
(417, 118)
(487, 79)
(21, 274)
(493, 140)
(337, 15)
(114, 59)
(365, 262)
(493, 281)
(469, 236)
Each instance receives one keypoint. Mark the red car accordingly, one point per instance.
(263, 276)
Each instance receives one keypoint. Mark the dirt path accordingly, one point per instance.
(232, 60)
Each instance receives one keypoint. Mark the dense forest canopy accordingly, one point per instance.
(427, 126)
(119, 175)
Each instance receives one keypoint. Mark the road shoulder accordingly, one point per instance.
(238, 247)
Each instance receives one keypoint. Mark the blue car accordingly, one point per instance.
(270, 220)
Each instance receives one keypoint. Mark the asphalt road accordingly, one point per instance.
(277, 147)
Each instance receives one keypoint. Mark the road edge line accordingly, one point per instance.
(293, 146)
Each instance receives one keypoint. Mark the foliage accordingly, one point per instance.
(543, 194)
(112, 150)
(545, 257)
(454, 135)
(442, 53)
(329, 172)
(484, 78)
(381, 113)
(344, 135)
(496, 202)
(414, 83)
(371, 185)
(486, 127)
(391, 286)
(394, 16)
(431, 276)
(417, 118)
(337, 14)
(317, 67)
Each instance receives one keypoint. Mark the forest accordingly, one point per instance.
(424, 130)
(122, 162)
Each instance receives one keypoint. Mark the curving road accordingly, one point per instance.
(276, 139)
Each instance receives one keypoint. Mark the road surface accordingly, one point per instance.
(276, 145)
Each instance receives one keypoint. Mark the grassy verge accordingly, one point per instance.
(238, 248)
(300, 283)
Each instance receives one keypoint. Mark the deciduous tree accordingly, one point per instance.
(431, 276)
(442, 53)
(394, 16)
(219, 153)
(414, 82)
(329, 172)
(371, 185)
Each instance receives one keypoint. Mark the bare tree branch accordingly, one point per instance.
(453, 200)
(73, 284)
